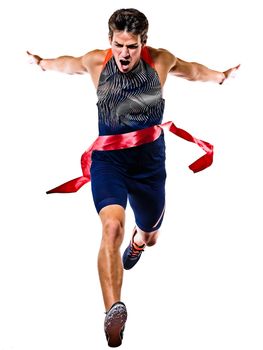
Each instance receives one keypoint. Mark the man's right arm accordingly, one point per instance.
(67, 64)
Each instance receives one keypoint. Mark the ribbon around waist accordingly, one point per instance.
(133, 139)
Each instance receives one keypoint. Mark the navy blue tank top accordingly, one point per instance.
(129, 101)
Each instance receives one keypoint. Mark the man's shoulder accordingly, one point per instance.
(94, 58)
(162, 57)
(160, 53)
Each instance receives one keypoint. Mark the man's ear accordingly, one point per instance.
(145, 40)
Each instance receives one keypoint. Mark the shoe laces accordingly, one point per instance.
(135, 250)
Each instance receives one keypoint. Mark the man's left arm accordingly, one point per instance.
(194, 71)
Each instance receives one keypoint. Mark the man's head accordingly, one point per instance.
(127, 34)
(129, 20)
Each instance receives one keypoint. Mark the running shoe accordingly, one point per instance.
(132, 253)
(114, 324)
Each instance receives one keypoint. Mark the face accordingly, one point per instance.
(126, 49)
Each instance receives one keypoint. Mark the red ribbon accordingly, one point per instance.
(133, 139)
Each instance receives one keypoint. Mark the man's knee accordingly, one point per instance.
(112, 232)
(112, 218)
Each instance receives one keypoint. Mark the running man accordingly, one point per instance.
(129, 78)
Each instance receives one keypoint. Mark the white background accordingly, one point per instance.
(201, 286)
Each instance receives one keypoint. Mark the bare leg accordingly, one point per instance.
(109, 259)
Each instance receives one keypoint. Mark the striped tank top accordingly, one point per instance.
(129, 101)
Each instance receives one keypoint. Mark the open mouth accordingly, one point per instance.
(124, 62)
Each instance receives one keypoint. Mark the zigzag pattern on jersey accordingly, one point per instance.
(129, 101)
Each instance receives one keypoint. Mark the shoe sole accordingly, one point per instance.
(114, 327)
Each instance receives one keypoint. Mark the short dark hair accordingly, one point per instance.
(129, 20)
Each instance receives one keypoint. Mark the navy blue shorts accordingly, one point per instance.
(136, 174)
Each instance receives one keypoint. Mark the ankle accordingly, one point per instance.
(139, 242)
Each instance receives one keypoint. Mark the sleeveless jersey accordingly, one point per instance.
(129, 101)
(127, 104)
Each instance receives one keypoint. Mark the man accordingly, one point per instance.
(129, 78)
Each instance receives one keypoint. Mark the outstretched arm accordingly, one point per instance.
(64, 64)
(197, 72)
(91, 62)
(165, 62)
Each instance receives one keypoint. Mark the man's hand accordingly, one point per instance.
(35, 59)
(230, 73)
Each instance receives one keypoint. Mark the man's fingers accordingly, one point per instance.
(32, 59)
(233, 71)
